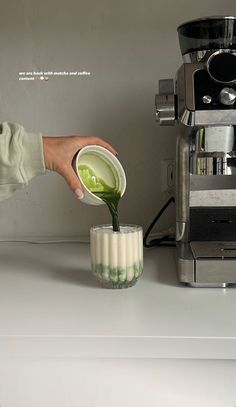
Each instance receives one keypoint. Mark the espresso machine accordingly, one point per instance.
(202, 101)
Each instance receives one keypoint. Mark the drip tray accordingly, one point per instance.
(220, 250)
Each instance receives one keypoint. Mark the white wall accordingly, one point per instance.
(127, 45)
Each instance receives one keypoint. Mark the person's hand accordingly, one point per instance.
(60, 151)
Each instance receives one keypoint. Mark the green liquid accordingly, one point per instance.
(112, 200)
(108, 194)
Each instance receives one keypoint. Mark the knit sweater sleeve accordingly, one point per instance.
(21, 157)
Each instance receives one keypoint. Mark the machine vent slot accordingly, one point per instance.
(221, 221)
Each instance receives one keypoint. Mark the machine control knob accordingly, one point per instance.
(227, 96)
(165, 103)
(207, 99)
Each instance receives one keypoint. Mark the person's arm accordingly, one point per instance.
(21, 157)
(24, 155)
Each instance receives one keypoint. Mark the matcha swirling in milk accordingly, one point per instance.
(117, 257)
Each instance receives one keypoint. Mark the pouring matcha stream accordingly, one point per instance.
(98, 186)
(104, 181)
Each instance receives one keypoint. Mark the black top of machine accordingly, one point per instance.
(208, 33)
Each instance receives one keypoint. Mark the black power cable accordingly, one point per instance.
(163, 241)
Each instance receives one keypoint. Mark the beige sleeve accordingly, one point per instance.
(21, 158)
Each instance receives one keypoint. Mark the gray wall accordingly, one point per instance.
(127, 45)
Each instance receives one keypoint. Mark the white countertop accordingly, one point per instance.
(51, 305)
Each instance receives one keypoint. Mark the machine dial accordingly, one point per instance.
(227, 96)
(221, 66)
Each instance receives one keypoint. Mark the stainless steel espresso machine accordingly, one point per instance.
(202, 100)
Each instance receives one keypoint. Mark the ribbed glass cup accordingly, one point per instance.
(117, 257)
